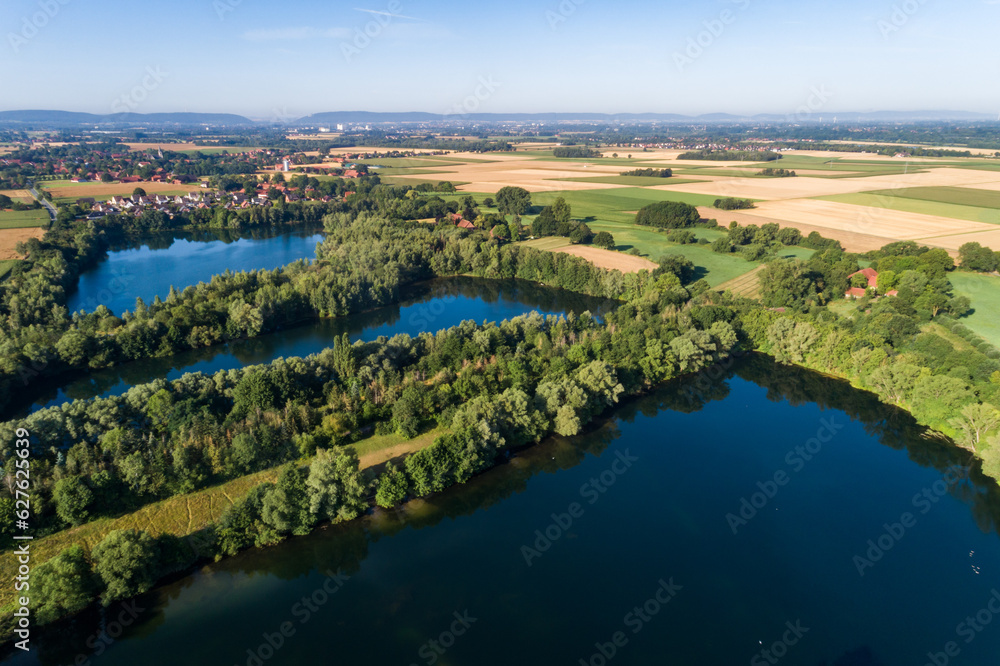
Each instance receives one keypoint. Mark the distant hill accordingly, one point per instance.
(73, 118)
(65, 118)
(372, 117)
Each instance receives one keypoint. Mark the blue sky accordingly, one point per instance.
(288, 59)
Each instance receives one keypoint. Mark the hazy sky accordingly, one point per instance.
(282, 60)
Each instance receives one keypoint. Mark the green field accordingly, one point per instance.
(961, 196)
(21, 219)
(636, 181)
(617, 205)
(984, 292)
(889, 200)
(6, 266)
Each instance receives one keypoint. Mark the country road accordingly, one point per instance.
(42, 200)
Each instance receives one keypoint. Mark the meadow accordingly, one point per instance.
(984, 292)
(22, 219)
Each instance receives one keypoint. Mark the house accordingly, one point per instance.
(86, 201)
(465, 224)
(872, 276)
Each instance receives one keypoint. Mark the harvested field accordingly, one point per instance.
(97, 190)
(24, 196)
(853, 241)
(625, 263)
(747, 286)
(9, 238)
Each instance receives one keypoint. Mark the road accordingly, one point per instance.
(42, 200)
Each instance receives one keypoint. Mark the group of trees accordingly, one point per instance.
(731, 155)
(577, 152)
(732, 203)
(974, 257)
(649, 173)
(668, 215)
(776, 173)
(757, 243)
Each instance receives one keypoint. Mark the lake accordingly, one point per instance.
(148, 267)
(428, 306)
(756, 508)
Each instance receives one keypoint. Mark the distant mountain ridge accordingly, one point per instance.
(333, 118)
(79, 118)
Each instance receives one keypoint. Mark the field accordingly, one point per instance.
(24, 196)
(9, 238)
(20, 219)
(865, 201)
(626, 263)
(64, 191)
(886, 199)
(747, 285)
(6, 266)
(984, 292)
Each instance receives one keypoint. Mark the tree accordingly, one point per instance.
(791, 341)
(73, 499)
(336, 488)
(6, 201)
(392, 487)
(605, 240)
(513, 200)
(785, 284)
(138, 192)
(975, 423)
(62, 586)
(581, 234)
(974, 257)
(561, 211)
(126, 560)
(107, 177)
(286, 505)
(488, 202)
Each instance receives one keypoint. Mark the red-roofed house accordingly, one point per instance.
(872, 275)
(465, 224)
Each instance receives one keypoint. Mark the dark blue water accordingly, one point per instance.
(650, 490)
(150, 267)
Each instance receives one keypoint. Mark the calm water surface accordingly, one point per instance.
(650, 489)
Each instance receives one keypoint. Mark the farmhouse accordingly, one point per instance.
(872, 276)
